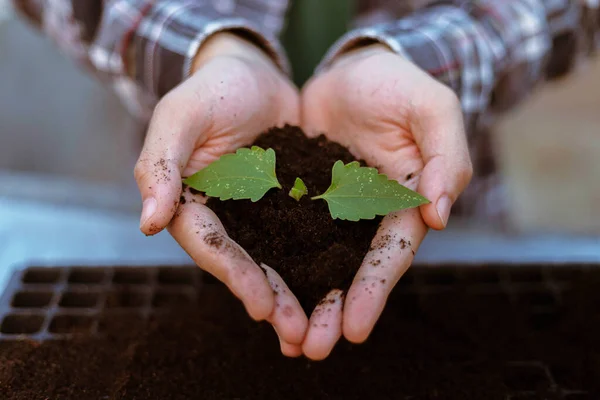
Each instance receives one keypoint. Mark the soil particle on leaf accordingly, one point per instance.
(312, 252)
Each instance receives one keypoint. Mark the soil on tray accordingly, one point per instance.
(451, 345)
(82, 368)
(312, 252)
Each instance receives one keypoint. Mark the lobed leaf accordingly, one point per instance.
(362, 193)
(247, 174)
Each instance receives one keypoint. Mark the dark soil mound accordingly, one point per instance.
(312, 252)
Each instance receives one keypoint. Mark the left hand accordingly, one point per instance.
(396, 117)
(235, 92)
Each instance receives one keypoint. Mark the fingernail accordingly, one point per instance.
(444, 204)
(148, 209)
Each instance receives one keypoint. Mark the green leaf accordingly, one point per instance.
(298, 190)
(247, 174)
(362, 193)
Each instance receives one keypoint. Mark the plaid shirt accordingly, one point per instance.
(490, 52)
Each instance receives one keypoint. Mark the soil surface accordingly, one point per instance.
(312, 252)
(453, 343)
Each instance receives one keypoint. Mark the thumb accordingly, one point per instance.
(440, 134)
(442, 181)
(167, 149)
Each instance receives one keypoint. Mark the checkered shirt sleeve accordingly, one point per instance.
(145, 47)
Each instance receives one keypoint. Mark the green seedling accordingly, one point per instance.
(298, 190)
(355, 192)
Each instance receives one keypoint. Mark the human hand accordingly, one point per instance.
(234, 93)
(394, 116)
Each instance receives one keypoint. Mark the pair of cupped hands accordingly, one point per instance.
(382, 107)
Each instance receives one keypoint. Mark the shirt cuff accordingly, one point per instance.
(168, 38)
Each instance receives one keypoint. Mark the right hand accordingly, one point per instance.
(234, 93)
(390, 113)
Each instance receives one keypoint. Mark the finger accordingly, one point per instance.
(291, 350)
(288, 349)
(288, 317)
(167, 148)
(324, 327)
(439, 132)
(200, 233)
(391, 253)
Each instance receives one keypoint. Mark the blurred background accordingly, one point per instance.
(67, 150)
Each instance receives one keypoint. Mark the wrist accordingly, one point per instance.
(229, 44)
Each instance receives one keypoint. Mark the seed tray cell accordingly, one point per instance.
(32, 299)
(42, 275)
(131, 276)
(87, 276)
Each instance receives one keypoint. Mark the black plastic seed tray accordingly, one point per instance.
(42, 303)
(53, 303)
